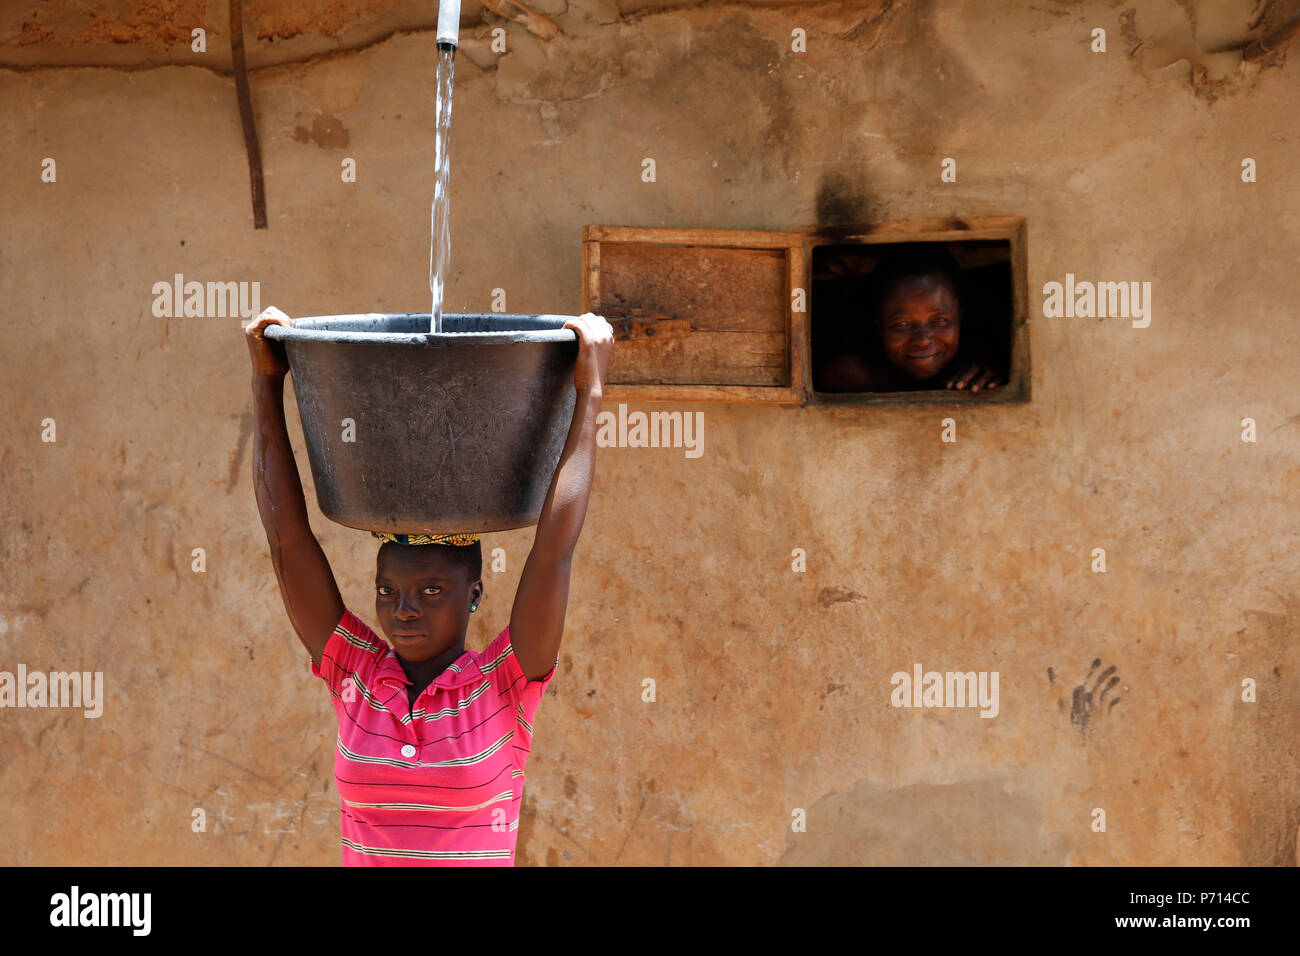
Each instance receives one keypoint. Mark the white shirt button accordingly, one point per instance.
(408, 751)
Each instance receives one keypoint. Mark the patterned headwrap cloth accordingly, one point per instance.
(454, 539)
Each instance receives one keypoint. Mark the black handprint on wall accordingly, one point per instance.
(1088, 701)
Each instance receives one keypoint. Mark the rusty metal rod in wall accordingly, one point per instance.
(246, 113)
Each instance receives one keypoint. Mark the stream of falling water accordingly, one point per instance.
(439, 229)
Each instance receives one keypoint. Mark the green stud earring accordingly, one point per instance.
(473, 607)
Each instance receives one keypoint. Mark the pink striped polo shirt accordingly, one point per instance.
(439, 784)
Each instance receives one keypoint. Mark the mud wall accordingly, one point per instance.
(772, 738)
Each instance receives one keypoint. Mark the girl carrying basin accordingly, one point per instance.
(433, 737)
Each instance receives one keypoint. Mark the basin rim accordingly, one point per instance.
(314, 328)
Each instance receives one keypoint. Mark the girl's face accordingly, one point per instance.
(422, 601)
(919, 322)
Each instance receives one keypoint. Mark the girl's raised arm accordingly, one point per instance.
(307, 585)
(537, 617)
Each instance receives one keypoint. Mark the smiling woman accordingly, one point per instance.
(913, 333)
(433, 738)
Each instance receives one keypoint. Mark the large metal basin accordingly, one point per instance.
(408, 431)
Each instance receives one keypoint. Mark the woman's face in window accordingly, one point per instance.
(919, 322)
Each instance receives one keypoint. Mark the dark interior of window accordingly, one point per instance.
(851, 352)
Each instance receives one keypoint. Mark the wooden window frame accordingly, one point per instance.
(799, 245)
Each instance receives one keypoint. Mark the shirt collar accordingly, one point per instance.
(463, 670)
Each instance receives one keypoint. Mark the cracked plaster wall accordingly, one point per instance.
(773, 686)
